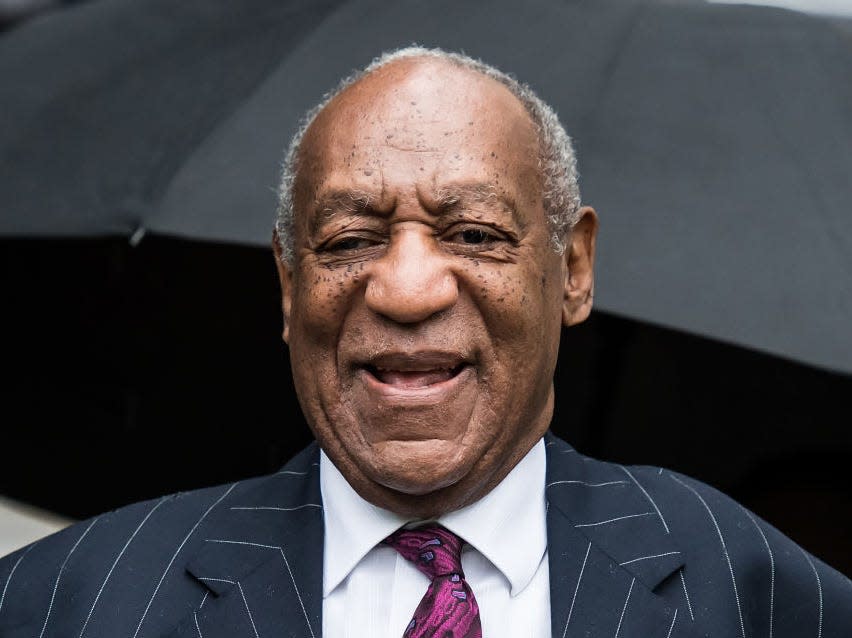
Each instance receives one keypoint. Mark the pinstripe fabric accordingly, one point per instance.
(634, 552)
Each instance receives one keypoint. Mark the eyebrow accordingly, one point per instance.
(456, 196)
(335, 202)
(447, 199)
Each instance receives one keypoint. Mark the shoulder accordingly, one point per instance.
(735, 564)
(108, 571)
(769, 578)
(44, 582)
(105, 533)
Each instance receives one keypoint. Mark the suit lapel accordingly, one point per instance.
(262, 560)
(608, 550)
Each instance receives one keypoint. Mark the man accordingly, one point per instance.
(430, 245)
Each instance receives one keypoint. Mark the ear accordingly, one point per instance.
(285, 278)
(578, 268)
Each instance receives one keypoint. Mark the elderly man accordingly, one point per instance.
(430, 245)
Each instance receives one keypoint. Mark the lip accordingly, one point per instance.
(431, 363)
(416, 361)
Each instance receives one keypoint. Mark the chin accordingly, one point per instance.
(418, 467)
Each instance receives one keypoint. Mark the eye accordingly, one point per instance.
(349, 243)
(474, 236)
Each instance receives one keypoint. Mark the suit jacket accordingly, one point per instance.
(635, 552)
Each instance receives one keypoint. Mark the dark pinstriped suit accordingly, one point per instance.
(634, 552)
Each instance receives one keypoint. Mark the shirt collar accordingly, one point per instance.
(512, 515)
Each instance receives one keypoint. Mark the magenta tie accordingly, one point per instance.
(448, 610)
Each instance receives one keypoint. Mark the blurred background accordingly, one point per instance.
(140, 142)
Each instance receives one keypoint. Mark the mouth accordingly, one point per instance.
(415, 396)
(413, 379)
(413, 372)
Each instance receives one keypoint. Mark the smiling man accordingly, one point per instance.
(431, 246)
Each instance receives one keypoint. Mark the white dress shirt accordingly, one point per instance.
(371, 590)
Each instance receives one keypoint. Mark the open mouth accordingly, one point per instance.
(415, 372)
(414, 378)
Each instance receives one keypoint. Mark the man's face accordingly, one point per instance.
(424, 302)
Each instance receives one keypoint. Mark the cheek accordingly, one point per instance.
(514, 303)
(321, 302)
(521, 309)
(323, 298)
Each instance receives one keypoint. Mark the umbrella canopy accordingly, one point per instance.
(715, 140)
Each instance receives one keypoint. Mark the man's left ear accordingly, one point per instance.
(578, 268)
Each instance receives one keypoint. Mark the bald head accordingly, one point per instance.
(437, 110)
(418, 89)
(427, 77)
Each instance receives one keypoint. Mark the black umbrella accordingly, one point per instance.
(700, 142)
(716, 141)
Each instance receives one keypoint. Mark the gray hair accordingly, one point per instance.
(557, 162)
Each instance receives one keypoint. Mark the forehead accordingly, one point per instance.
(424, 120)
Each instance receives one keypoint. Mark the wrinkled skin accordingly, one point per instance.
(424, 302)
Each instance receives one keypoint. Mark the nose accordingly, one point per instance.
(413, 280)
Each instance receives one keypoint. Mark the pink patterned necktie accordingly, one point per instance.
(448, 610)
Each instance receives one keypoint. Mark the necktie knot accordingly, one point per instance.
(448, 608)
(434, 550)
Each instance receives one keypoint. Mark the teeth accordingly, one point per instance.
(414, 370)
(413, 378)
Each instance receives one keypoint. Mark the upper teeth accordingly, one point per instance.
(441, 369)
